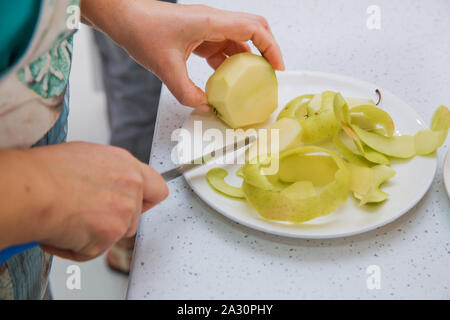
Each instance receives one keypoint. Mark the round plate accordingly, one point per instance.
(412, 180)
(446, 171)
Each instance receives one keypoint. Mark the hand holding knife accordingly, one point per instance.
(168, 175)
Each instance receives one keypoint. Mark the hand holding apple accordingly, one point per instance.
(162, 36)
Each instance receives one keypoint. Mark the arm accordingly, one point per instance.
(161, 37)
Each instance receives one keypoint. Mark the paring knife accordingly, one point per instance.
(169, 175)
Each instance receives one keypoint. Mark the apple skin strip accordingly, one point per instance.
(295, 199)
(375, 146)
(315, 115)
(343, 116)
(216, 179)
(364, 122)
(427, 141)
(348, 154)
(298, 202)
(407, 146)
(296, 108)
(365, 183)
(396, 146)
(376, 116)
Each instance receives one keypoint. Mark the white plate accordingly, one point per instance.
(446, 171)
(413, 177)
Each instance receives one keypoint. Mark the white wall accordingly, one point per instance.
(87, 122)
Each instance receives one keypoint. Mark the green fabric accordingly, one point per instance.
(18, 19)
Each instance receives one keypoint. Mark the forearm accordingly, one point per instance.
(25, 198)
(109, 16)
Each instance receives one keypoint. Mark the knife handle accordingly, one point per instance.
(9, 252)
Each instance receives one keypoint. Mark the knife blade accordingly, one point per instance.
(183, 168)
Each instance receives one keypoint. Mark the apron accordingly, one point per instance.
(34, 100)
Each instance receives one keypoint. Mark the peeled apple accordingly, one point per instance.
(243, 90)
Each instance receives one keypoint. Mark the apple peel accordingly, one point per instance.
(427, 141)
(366, 151)
(298, 202)
(315, 115)
(365, 183)
(343, 115)
(403, 146)
(296, 108)
(313, 181)
(376, 116)
(348, 154)
(216, 179)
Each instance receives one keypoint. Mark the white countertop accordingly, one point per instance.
(186, 250)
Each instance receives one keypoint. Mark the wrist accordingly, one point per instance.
(113, 17)
(26, 197)
(48, 196)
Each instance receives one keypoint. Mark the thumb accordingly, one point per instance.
(182, 87)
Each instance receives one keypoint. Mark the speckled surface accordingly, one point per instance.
(185, 250)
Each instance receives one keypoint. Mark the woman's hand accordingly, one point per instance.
(161, 37)
(77, 199)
